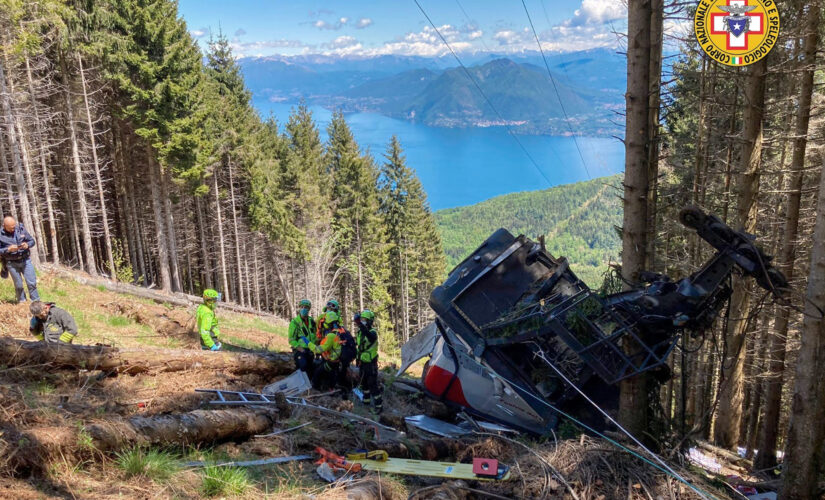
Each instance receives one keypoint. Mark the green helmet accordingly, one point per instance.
(331, 317)
(368, 315)
(210, 294)
(332, 305)
(304, 303)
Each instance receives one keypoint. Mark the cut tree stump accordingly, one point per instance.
(15, 352)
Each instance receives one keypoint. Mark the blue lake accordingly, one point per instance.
(464, 166)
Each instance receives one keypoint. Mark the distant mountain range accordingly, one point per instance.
(579, 221)
(434, 92)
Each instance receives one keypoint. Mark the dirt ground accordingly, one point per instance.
(32, 397)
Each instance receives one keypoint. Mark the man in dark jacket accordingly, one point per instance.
(15, 245)
(51, 324)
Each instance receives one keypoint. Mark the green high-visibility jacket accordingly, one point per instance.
(367, 342)
(299, 328)
(330, 348)
(207, 325)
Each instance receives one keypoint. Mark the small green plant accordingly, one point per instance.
(568, 430)
(44, 388)
(118, 321)
(152, 464)
(84, 439)
(224, 481)
(123, 269)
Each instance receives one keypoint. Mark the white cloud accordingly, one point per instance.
(597, 12)
(343, 20)
(425, 43)
(474, 35)
(363, 23)
(199, 33)
(343, 45)
(240, 32)
(249, 49)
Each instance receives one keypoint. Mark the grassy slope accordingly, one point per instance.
(578, 219)
(126, 321)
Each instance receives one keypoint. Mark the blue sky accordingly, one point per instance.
(365, 28)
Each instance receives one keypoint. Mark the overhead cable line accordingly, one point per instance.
(480, 91)
(555, 89)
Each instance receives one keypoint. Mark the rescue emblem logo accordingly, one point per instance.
(736, 32)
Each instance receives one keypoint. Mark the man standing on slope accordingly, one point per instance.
(208, 322)
(15, 243)
(366, 339)
(301, 337)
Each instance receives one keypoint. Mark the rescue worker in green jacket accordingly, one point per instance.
(51, 324)
(332, 305)
(330, 373)
(207, 321)
(366, 341)
(302, 337)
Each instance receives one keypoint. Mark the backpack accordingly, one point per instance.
(348, 350)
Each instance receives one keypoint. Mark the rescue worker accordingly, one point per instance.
(51, 324)
(208, 322)
(334, 349)
(332, 305)
(301, 339)
(366, 341)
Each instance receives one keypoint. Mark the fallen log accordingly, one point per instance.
(177, 299)
(198, 426)
(15, 352)
(33, 449)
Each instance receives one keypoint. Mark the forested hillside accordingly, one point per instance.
(579, 222)
(128, 152)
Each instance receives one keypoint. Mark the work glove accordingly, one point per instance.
(312, 347)
(215, 347)
(66, 337)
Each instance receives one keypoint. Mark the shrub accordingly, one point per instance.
(152, 464)
(224, 481)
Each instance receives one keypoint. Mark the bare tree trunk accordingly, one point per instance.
(633, 402)
(257, 276)
(156, 178)
(803, 449)
(16, 155)
(221, 239)
(730, 403)
(242, 298)
(107, 238)
(206, 262)
(8, 172)
(44, 171)
(88, 250)
(143, 268)
(654, 82)
(170, 228)
(359, 256)
(766, 457)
